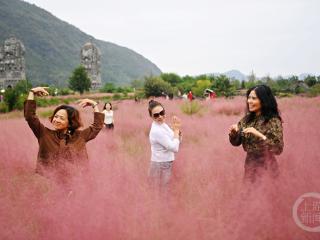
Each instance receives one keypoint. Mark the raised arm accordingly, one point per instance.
(30, 110)
(171, 144)
(92, 131)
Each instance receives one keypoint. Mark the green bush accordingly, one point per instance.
(117, 96)
(3, 107)
(65, 91)
(191, 108)
(45, 102)
(108, 88)
(20, 102)
(314, 90)
(155, 86)
(284, 94)
(10, 98)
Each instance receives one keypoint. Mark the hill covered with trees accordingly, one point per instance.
(53, 47)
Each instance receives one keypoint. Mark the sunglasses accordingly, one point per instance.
(156, 115)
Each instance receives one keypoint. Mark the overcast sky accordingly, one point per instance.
(202, 36)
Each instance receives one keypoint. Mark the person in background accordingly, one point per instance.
(190, 96)
(260, 133)
(108, 116)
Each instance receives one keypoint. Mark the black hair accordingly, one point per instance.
(104, 107)
(269, 106)
(152, 105)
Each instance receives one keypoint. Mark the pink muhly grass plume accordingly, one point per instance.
(208, 199)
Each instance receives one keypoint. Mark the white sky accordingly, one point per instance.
(202, 36)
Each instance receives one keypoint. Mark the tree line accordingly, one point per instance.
(168, 84)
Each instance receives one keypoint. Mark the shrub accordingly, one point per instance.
(117, 96)
(3, 107)
(314, 90)
(155, 86)
(45, 102)
(20, 102)
(191, 108)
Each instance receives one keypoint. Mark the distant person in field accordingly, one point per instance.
(108, 116)
(190, 96)
(260, 133)
(165, 143)
(62, 151)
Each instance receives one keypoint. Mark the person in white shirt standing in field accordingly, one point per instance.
(108, 116)
(164, 142)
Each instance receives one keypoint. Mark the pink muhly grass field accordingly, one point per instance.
(208, 199)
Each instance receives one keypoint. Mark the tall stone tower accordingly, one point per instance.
(12, 62)
(90, 59)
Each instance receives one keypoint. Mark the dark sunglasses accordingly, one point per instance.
(156, 115)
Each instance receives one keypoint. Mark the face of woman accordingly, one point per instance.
(254, 103)
(158, 114)
(60, 120)
(108, 107)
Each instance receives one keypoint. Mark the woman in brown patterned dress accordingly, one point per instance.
(260, 133)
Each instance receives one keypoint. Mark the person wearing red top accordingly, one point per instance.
(190, 96)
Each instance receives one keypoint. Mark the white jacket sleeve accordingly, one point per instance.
(167, 142)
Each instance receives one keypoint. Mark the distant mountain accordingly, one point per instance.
(53, 47)
(233, 74)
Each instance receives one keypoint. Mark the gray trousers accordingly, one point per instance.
(159, 175)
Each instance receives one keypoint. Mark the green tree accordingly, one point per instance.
(10, 98)
(222, 86)
(310, 80)
(156, 86)
(171, 78)
(108, 88)
(79, 81)
(14, 97)
(200, 86)
(243, 86)
(137, 84)
(186, 84)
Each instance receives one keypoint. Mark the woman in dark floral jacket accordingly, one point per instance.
(260, 133)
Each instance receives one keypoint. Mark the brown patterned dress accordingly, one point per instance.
(260, 153)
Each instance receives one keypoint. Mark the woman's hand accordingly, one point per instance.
(254, 131)
(38, 91)
(88, 102)
(233, 129)
(176, 123)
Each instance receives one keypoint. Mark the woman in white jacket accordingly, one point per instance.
(164, 142)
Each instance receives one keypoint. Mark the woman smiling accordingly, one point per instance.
(164, 143)
(260, 133)
(64, 148)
